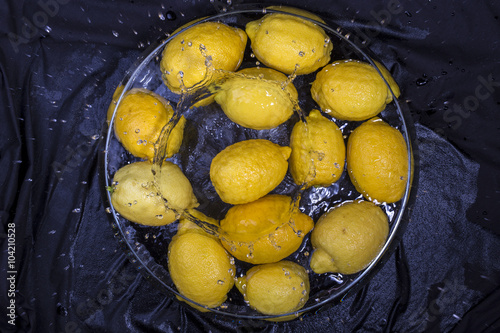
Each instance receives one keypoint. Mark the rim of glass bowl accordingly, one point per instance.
(396, 228)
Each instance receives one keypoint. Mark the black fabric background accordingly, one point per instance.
(57, 75)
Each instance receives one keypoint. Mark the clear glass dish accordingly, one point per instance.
(147, 246)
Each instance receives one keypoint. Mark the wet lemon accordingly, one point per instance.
(248, 170)
(135, 196)
(275, 289)
(200, 268)
(318, 151)
(283, 42)
(348, 237)
(266, 230)
(352, 90)
(139, 120)
(224, 45)
(377, 161)
(257, 100)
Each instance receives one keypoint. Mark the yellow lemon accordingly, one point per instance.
(377, 161)
(257, 100)
(224, 45)
(275, 289)
(135, 196)
(348, 237)
(139, 120)
(352, 90)
(283, 42)
(266, 230)
(318, 151)
(248, 170)
(200, 268)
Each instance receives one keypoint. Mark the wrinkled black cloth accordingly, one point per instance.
(60, 62)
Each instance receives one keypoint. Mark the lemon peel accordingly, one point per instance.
(377, 161)
(248, 170)
(348, 237)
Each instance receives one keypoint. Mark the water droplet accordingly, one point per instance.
(301, 54)
(115, 33)
(159, 217)
(421, 82)
(129, 204)
(408, 13)
(220, 282)
(171, 15)
(137, 130)
(76, 210)
(95, 137)
(52, 232)
(48, 29)
(161, 16)
(108, 210)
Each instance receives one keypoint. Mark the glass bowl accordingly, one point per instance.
(147, 246)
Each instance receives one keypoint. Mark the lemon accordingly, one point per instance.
(257, 100)
(248, 170)
(318, 151)
(377, 161)
(139, 120)
(348, 237)
(264, 231)
(352, 90)
(200, 268)
(283, 42)
(135, 196)
(224, 45)
(275, 289)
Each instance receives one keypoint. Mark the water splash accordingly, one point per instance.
(214, 81)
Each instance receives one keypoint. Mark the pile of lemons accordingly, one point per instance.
(261, 227)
